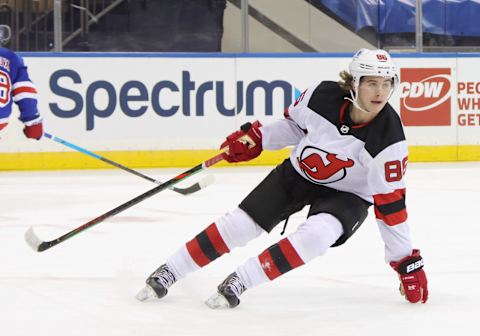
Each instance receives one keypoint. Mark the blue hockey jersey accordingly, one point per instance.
(16, 86)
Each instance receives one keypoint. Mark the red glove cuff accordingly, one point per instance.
(408, 264)
(413, 280)
(244, 144)
(34, 131)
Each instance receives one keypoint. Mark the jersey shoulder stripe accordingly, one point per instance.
(327, 100)
(385, 130)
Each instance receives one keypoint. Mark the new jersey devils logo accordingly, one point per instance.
(322, 167)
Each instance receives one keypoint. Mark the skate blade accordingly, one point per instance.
(217, 301)
(146, 293)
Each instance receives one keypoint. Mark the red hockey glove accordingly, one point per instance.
(244, 144)
(413, 281)
(34, 131)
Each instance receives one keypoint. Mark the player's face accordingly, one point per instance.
(373, 93)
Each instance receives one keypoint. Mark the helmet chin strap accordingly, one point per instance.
(355, 103)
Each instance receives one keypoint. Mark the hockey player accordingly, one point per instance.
(16, 86)
(349, 152)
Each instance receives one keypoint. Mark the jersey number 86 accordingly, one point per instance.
(394, 170)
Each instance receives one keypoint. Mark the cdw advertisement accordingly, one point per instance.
(425, 96)
(435, 96)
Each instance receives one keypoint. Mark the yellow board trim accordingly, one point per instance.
(443, 153)
(190, 158)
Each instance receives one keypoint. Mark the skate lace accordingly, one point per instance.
(165, 276)
(236, 285)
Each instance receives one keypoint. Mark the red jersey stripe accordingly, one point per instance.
(23, 89)
(381, 199)
(392, 219)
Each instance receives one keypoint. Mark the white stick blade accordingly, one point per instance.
(207, 180)
(32, 239)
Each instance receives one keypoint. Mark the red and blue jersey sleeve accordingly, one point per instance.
(16, 86)
(24, 94)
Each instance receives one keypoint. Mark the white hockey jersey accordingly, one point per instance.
(368, 160)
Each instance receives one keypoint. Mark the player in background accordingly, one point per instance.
(349, 153)
(16, 86)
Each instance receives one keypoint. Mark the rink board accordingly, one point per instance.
(162, 110)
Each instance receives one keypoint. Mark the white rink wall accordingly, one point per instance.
(155, 102)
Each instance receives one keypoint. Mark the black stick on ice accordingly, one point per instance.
(38, 245)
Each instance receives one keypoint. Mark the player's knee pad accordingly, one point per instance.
(316, 235)
(237, 228)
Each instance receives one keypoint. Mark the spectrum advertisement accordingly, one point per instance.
(189, 102)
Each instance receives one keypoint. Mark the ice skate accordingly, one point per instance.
(157, 284)
(228, 293)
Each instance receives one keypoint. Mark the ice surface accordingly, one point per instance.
(87, 285)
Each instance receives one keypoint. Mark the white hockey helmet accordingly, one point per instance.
(5, 34)
(367, 62)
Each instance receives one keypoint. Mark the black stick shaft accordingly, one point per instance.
(48, 244)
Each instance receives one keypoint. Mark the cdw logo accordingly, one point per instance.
(425, 98)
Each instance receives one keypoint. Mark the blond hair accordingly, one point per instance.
(346, 82)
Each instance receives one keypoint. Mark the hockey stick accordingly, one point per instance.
(38, 245)
(184, 191)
